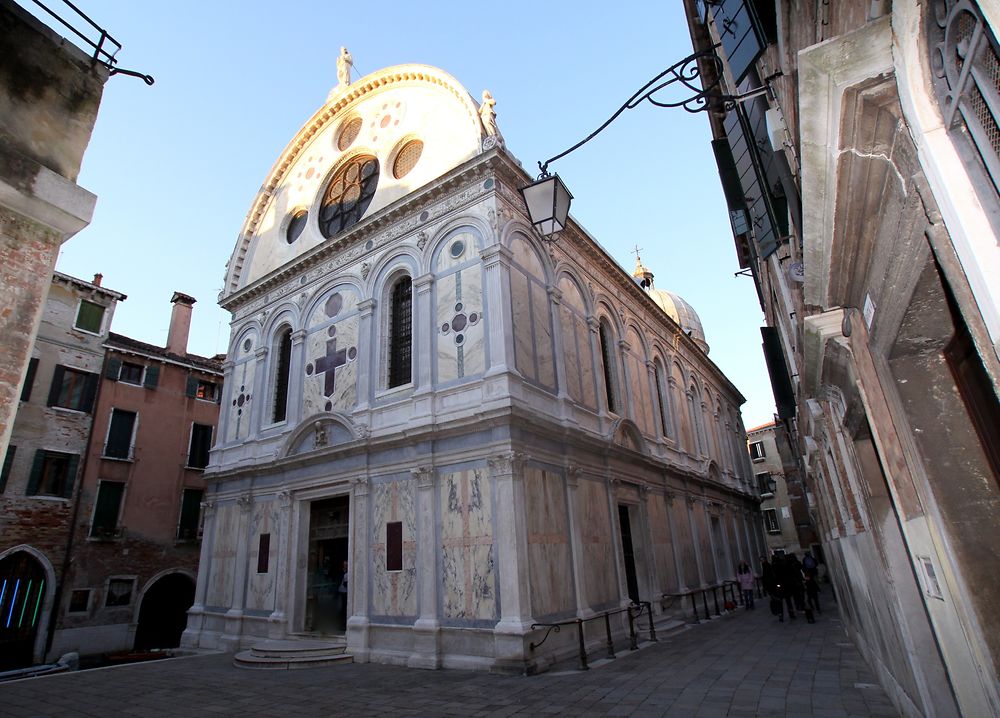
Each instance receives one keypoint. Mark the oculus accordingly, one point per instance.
(348, 133)
(296, 225)
(407, 158)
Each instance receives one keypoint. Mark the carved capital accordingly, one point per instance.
(423, 282)
(208, 509)
(360, 486)
(284, 498)
(245, 501)
(555, 294)
(495, 255)
(510, 463)
(260, 353)
(669, 497)
(424, 475)
(573, 475)
(298, 336)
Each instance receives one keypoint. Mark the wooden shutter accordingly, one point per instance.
(112, 369)
(90, 392)
(120, 434)
(57, 382)
(192, 386)
(74, 464)
(36, 472)
(781, 383)
(107, 507)
(8, 461)
(152, 377)
(29, 379)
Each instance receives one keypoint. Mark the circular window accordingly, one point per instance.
(348, 195)
(246, 345)
(457, 248)
(296, 225)
(407, 158)
(349, 133)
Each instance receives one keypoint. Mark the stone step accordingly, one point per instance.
(285, 655)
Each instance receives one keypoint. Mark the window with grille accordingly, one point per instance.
(401, 333)
(348, 195)
(756, 450)
(966, 67)
(607, 354)
(281, 373)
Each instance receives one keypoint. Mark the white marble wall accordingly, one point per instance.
(533, 353)
(468, 563)
(393, 593)
(663, 549)
(239, 387)
(576, 344)
(459, 324)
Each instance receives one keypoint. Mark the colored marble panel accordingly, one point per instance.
(223, 556)
(260, 586)
(521, 314)
(663, 557)
(236, 415)
(600, 573)
(458, 249)
(542, 321)
(467, 556)
(549, 557)
(393, 592)
(331, 368)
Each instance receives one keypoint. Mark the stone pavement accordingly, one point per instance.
(745, 664)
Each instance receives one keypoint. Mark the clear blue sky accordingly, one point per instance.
(175, 166)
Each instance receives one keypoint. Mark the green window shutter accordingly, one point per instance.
(57, 382)
(187, 526)
(74, 463)
(36, 473)
(112, 369)
(152, 377)
(29, 379)
(8, 461)
(107, 506)
(90, 392)
(192, 386)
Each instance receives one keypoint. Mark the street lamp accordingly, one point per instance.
(548, 199)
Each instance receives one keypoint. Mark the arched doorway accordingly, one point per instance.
(163, 612)
(22, 605)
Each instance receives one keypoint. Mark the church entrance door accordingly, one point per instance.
(631, 580)
(326, 583)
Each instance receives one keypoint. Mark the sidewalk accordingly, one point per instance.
(745, 664)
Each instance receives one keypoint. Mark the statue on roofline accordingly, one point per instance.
(344, 64)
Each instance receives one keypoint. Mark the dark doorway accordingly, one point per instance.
(22, 592)
(163, 613)
(326, 587)
(626, 529)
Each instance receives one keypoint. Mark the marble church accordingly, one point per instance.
(439, 429)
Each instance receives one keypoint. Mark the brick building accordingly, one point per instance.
(49, 95)
(137, 529)
(38, 483)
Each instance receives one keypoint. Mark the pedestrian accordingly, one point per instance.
(746, 580)
(796, 589)
(809, 565)
(777, 589)
(812, 593)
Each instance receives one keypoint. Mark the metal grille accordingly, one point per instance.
(350, 133)
(967, 69)
(400, 333)
(407, 158)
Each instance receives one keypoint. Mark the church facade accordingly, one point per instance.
(438, 429)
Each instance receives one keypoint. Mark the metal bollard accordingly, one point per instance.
(583, 646)
(607, 630)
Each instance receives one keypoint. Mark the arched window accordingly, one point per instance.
(662, 398)
(400, 347)
(610, 366)
(283, 361)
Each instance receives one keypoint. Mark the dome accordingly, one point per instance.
(672, 304)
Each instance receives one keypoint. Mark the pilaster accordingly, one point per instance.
(427, 628)
(358, 625)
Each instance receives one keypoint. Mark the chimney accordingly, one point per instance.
(180, 323)
(97, 279)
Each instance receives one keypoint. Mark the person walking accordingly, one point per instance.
(746, 579)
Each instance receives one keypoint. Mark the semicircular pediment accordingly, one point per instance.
(403, 127)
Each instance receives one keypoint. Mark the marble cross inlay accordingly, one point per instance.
(459, 323)
(466, 498)
(334, 357)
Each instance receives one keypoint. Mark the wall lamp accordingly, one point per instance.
(548, 199)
